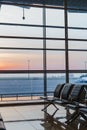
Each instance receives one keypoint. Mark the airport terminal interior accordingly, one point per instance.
(43, 65)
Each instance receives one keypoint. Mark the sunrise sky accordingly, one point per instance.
(16, 59)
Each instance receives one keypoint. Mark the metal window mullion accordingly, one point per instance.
(33, 5)
(43, 6)
(36, 25)
(44, 52)
(66, 41)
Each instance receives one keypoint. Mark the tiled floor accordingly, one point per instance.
(32, 118)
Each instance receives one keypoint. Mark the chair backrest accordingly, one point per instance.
(66, 91)
(86, 92)
(78, 93)
(58, 90)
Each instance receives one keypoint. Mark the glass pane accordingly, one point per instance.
(14, 14)
(55, 60)
(78, 34)
(23, 43)
(77, 60)
(73, 77)
(21, 84)
(55, 17)
(53, 80)
(55, 44)
(78, 19)
(77, 45)
(78, 78)
(55, 33)
(21, 60)
(21, 31)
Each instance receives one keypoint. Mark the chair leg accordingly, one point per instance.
(45, 108)
(72, 117)
(83, 115)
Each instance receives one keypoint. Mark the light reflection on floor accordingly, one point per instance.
(32, 118)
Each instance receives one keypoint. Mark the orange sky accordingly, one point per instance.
(15, 61)
(20, 61)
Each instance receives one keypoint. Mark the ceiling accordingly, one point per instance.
(82, 4)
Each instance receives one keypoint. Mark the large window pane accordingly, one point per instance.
(13, 59)
(53, 80)
(77, 19)
(77, 60)
(21, 43)
(21, 83)
(55, 17)
(80, 78)
(55, 60)
(55, 33)
(21, 31)
(14, 14)
(55, 44)
(78, 45)
(77, 34)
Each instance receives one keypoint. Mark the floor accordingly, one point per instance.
(31, 117)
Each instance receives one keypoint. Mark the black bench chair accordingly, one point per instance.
(56, 96)
(76, 101)
(83, 112)
(65, 94)
(61, 95)
(71, 97)
(83, 109)
(2, 126)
